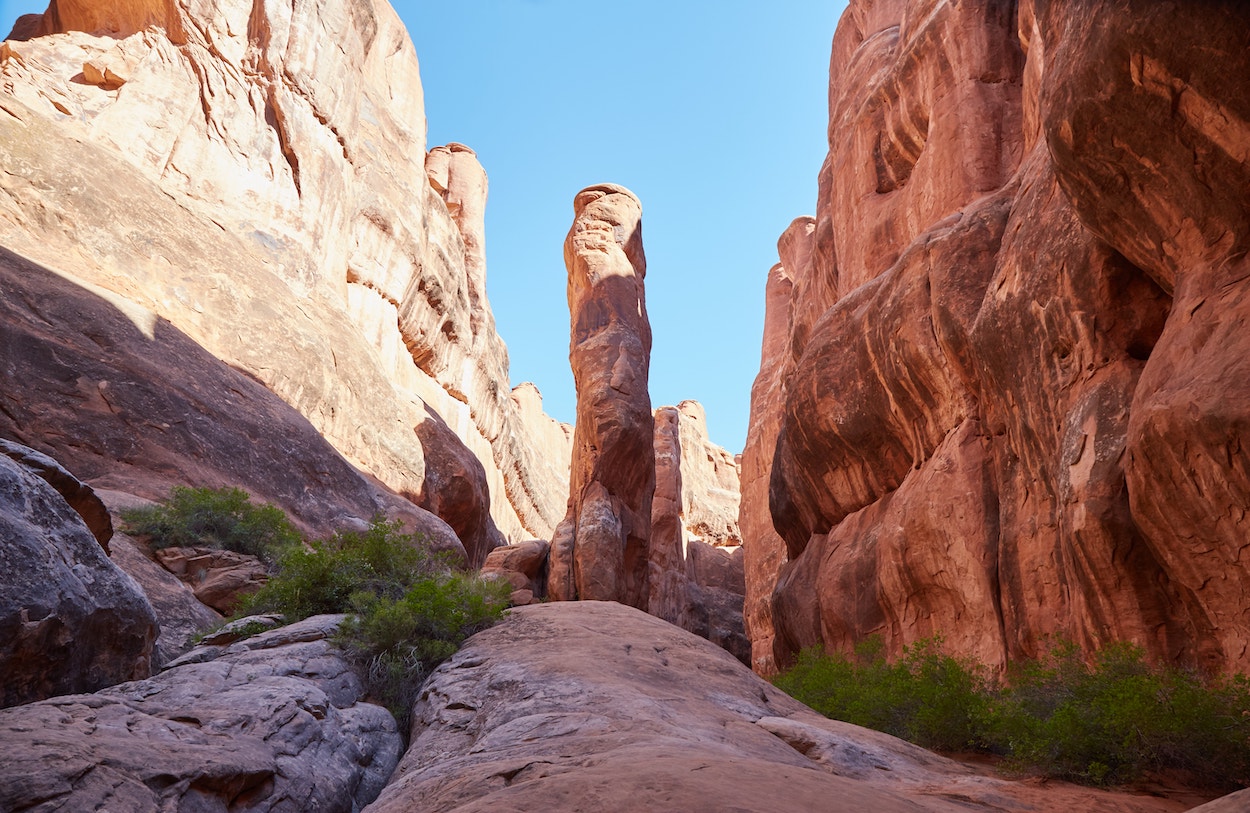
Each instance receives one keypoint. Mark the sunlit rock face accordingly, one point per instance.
(600, 550)
(256, 179)
(1010, 393)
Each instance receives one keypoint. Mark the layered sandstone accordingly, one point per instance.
(600, 550)
(1010, 397)
(259, 182)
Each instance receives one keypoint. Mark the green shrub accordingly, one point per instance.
(929, 698)
(412, 610)
(1118, 718)
(1112, 720)
(215, 518)
(322, 576)
(399, 641)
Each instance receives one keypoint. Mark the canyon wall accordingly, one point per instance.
(1008, 397)
(252, 184)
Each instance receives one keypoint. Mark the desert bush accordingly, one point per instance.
(214, 518)
(410, 609)
(1117, 718)
(926, 697)
(398, 641)
(1113, 718)
(323, 575)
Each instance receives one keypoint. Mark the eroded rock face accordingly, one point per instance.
(764, 551)
(259, 182)
(594, 705)
(274, 723)
(600, 550)
(70, 620)
(134, 405)
(1005, 360)
(696, 563)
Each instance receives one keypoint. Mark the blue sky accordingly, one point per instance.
(714, 114)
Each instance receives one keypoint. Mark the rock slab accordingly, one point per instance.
(273, 724)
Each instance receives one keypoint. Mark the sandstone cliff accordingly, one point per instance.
(256, 183)
(1010, 399)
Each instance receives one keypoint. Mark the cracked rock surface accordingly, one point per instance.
(274, 723)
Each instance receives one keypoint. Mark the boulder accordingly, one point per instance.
(80, 496)
(217, 578)
(523, 565)
(277, 725)
(70, 619)
(600, 550)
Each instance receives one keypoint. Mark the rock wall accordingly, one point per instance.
(1010, 395)
(696, 565)
(258, 179)
(600, 550)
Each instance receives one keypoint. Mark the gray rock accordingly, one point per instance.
(70, 619)
(277, 727)
(78, 494)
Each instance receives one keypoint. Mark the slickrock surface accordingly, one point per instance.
(273, 724)
(647, 717)
(1011, 385)
(70, 620)
(600, 549)
(258, 181)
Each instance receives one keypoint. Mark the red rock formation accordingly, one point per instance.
(600, 550)
(992, 401)
(763, 548)
(696, 568)
(261, 184)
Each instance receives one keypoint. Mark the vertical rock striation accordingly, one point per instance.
(1009, 401)
(600, 550)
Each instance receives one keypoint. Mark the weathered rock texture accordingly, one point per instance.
(1014, 384)
(70, 620)
(80, 496)
(696, 563)
(273, 724)
(600, 549)
(578, 706)
(524, 566)
(764, 551)
(218, 578)
(253, 182)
